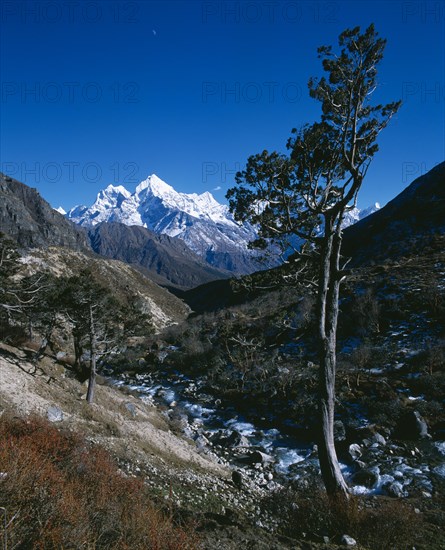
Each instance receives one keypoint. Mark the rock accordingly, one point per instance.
(378, 438)
(339, 431)
(367, 477)
(346, 540)
(235, 439)
(131, 409)
(237, 479)
(421, 426)
(355, 451)
(395, 489)
(412, 426)
(257, 457)
(201, 442)
(54, 414)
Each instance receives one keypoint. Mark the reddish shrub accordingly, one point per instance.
(59, 492)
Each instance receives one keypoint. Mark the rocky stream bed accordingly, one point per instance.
(271, 456)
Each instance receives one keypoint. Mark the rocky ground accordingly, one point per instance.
(228, 459)
(196, 485)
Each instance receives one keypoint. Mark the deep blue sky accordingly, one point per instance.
(109, 92)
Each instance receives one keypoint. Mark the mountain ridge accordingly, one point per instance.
(28, 219)
(205, 225)
(166, 260)
(408, 221)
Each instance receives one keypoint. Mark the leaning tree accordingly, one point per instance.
(299, 200)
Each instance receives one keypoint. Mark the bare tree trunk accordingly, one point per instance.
(45, 340)
(93, 353)
(328, 295)
(77, 348)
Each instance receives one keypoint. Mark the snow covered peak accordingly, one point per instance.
(155, 193)
(112, 196)
(60, 210)
(116, 190)
(355, 214)
(155, 186)
(370, 210)
(204, 224)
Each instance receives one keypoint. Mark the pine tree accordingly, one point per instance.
(298, 201)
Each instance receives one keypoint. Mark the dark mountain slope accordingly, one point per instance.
(167, 260)
(27, 218)
(409, 225)
(32, 222)
(404, 226)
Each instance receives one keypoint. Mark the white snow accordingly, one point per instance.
(205, 225)
(199, 220)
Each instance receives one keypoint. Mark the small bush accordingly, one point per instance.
(59, 492)
(376, 524)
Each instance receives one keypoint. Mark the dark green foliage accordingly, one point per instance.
(298, 201)
(19, 295)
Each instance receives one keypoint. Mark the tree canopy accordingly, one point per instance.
(298, 200)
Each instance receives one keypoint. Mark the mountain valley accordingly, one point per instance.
(227, 375)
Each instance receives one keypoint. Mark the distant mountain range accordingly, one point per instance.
(28, 219)
(179, 240)
(206, 226)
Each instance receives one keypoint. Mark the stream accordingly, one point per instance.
(270, 456)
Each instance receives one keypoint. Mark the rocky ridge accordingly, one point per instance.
(31, 221)
(205, 225)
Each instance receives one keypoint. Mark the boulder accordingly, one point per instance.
(367, 477)
(395, 489)
(131, 409)
(378, 438)
(237, 479)
(256, 457)
(412, 426)
(54, 414)
(346, 540)
(355, 451)
(234, 439)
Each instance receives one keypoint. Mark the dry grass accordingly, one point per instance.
(60, 492)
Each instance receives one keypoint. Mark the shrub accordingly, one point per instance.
(376, 524)
(60, 492)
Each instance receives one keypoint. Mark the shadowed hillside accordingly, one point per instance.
(32, 222)
(168, 261)
(405, 225)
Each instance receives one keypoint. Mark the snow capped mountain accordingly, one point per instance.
(355, 215)
(60, 210)
(106, 202)
(204, 224)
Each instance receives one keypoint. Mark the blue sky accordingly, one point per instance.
(94, 92)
